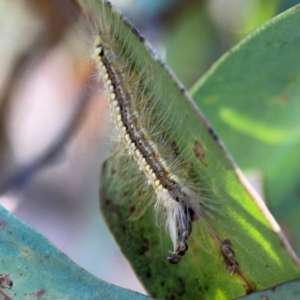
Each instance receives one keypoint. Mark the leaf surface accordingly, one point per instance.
(241, 216)
(31, 268)
(251, 97)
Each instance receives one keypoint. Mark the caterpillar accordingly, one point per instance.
(141, 130)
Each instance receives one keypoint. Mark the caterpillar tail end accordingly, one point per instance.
(175, 257)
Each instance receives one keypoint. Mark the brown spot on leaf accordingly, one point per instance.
(232, 265)
(2, 224)
(144, 247)
(199, 152)
(282, 100)
(40, 293)
(5, 281)
(228, 255)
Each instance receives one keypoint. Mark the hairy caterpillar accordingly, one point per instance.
(143, 131)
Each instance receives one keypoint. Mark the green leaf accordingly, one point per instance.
(31, 268)
(241, 216)
(251, 96)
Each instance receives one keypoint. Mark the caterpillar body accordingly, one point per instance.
(143, 149)
(146, 138)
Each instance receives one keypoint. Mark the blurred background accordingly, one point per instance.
(54, 125)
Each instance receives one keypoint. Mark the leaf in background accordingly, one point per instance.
(210, 29)
(252, 98)
(31, 268)
(242, 218)
(256, 13)
(192, 43)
